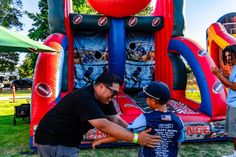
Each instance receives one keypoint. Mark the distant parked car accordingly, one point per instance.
(23, 83)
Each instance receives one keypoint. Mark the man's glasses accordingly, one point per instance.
(114, 92)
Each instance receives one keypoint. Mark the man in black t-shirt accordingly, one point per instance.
(61, 130)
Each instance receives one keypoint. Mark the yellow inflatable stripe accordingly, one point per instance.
(217, 38)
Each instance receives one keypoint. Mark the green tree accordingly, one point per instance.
(26, 70)
(39, 32)
(40, 29)
(8, 61)
(147, 11)
(81, 6)
(10, 13)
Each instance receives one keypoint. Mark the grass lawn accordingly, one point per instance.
(15, 138)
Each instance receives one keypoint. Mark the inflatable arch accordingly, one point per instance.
(138, 49)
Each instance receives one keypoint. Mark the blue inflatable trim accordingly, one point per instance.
(188, 54)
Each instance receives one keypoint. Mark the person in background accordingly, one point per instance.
(61, 130)
(229, 57)
(163, 123)
(224, 66)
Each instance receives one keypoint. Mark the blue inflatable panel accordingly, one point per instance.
(117, 48)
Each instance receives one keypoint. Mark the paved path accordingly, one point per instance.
(17, 97)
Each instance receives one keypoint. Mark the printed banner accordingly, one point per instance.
(140, 64)
(204, 130)
(90, 57)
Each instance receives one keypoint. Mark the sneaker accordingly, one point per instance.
(231, 155)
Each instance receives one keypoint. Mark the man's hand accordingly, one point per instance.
(148, 140)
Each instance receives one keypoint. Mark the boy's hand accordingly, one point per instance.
(95, 143)
(148, 140)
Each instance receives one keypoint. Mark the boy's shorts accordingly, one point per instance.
(230, 121)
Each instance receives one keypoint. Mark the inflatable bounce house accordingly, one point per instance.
(138, 49)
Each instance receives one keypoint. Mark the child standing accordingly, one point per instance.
(163, 123)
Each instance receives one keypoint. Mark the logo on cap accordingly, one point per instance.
(44, 90)
(77, 19)
(102, 21)
(133, 21)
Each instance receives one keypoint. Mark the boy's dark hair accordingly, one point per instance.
(108, 79)
(231, 49)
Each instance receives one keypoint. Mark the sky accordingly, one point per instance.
(199, 15)
(30, 6)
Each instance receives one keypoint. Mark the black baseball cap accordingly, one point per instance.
(157, 90)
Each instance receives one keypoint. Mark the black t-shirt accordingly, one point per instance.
(66, 123)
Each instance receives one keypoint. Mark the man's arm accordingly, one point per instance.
(138, 125)
(118, 120)
(121, 133)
